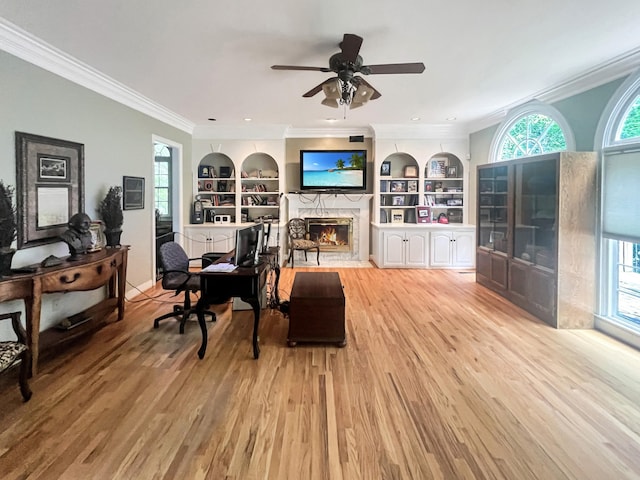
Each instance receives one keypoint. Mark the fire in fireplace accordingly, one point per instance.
(333, 234)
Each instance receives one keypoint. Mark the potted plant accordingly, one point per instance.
(8, 226)
(110, 210)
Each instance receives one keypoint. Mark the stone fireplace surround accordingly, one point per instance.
(337, 205)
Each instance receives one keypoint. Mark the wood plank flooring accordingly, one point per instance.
(440, 379)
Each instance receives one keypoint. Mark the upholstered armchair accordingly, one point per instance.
(299, 240)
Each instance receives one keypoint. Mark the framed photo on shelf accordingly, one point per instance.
(412, 185)
(398, 201)
(204, 171)
(410, 171)
(398, 186)
(423, 214)
(397, 216)
(452, 172)
(385, 168)
(437, 167)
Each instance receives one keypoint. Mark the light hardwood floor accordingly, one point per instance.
(440, 379)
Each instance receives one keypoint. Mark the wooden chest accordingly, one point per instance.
(317, 308)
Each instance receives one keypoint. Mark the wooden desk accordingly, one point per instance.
(106, 267)
(243, 282)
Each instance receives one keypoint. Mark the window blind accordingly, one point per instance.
(621, 196)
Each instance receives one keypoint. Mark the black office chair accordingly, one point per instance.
(299, 240)
(176, 276)
(10, 352)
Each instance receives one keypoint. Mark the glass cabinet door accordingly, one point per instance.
(492, 208)
(535, 213)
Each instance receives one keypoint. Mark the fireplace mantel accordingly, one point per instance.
(354, 205)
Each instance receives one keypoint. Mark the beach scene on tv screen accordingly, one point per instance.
(333, 169)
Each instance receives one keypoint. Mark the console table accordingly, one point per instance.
(107, 267)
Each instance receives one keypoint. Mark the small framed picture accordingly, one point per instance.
(398, 201)
(398, 186)
(397, 216)
(204, 171)
(437, 167)
(412, 185)
(385, 168)
(410, 171)
(452, 172)
(132, 193)
(423, 214)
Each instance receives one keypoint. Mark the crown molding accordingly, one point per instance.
(241, 132)
(23, 45)
(419, 131)
(329, 132)
(605, 72)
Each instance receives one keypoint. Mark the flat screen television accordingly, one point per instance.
(333, 169)
(248, 245)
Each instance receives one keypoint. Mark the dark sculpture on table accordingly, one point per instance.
(78, 237)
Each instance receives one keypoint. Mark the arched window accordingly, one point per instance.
(619, 285)
(531, 129)
(630, 127)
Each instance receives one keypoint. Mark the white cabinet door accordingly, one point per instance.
(464, 249)
(441, 249)
(416, 249)
(393, 246)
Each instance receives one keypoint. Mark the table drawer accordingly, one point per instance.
(84, 277)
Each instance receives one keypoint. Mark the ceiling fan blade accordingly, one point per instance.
(376, 93)
(350, 46)
(317, 88)
(295, 67)
(417, 67)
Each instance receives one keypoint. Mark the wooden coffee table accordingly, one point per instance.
(316, 309)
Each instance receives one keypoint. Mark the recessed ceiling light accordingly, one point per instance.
(451, 119)
(248, 119)
(332, 119)
(415, 119)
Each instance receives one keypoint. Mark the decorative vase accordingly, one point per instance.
(113, 237)
(6, 256)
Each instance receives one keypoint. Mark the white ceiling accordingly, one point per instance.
(202, 58)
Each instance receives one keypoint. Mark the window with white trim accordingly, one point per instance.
(162, 180)
(531, 129)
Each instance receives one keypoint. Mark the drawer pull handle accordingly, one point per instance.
(99, 269)
(65, 279)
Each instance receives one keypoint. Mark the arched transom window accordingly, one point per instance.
(532, 134)
(630, 127)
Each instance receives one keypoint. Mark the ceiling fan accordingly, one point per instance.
(347, 88)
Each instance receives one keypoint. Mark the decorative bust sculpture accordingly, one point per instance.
(78, 237)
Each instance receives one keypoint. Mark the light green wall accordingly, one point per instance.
(117, 141)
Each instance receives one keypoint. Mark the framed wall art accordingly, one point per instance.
(132, 193)
(50, 187)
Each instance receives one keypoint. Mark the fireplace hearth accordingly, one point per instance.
(333, 234)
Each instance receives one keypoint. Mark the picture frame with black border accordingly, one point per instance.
(452, 171)
(204, 171)
(49, 187)
(385, 168)
(132, 193)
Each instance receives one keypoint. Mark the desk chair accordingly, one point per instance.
(299, 239)
(176, 276)
(10, 352)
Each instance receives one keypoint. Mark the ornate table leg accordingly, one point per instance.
(200, 308)
(255, 304)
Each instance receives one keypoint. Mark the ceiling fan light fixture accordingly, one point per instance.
(330, 102)
(361, 96)
(331, 89)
